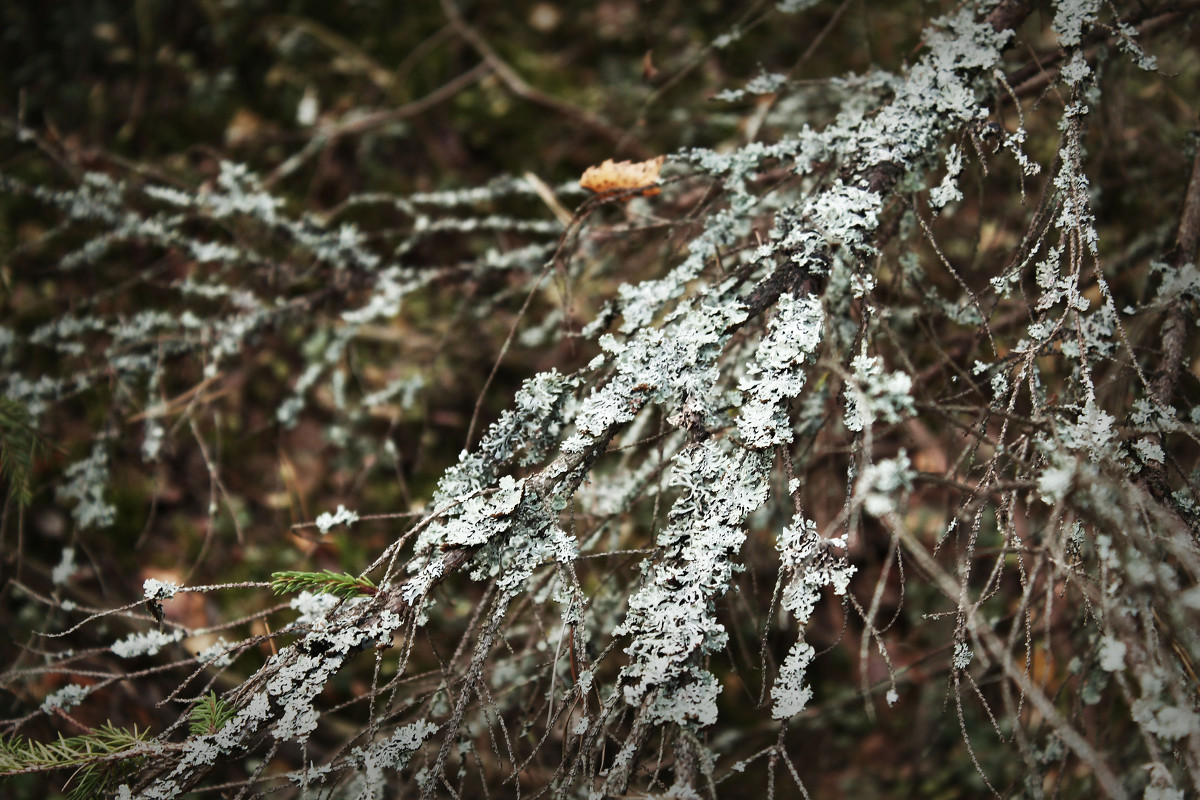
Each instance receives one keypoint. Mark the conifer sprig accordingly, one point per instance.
(210, 715)
(20, 755)
(342, 585)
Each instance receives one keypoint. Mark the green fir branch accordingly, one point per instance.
(344, 585)
(101, 780)
(210, 715)
(19, 755)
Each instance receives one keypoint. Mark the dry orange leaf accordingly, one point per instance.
(615, 176)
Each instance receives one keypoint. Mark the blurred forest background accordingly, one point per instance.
(481, 116)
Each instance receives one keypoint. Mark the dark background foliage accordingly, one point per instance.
(412, 98)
